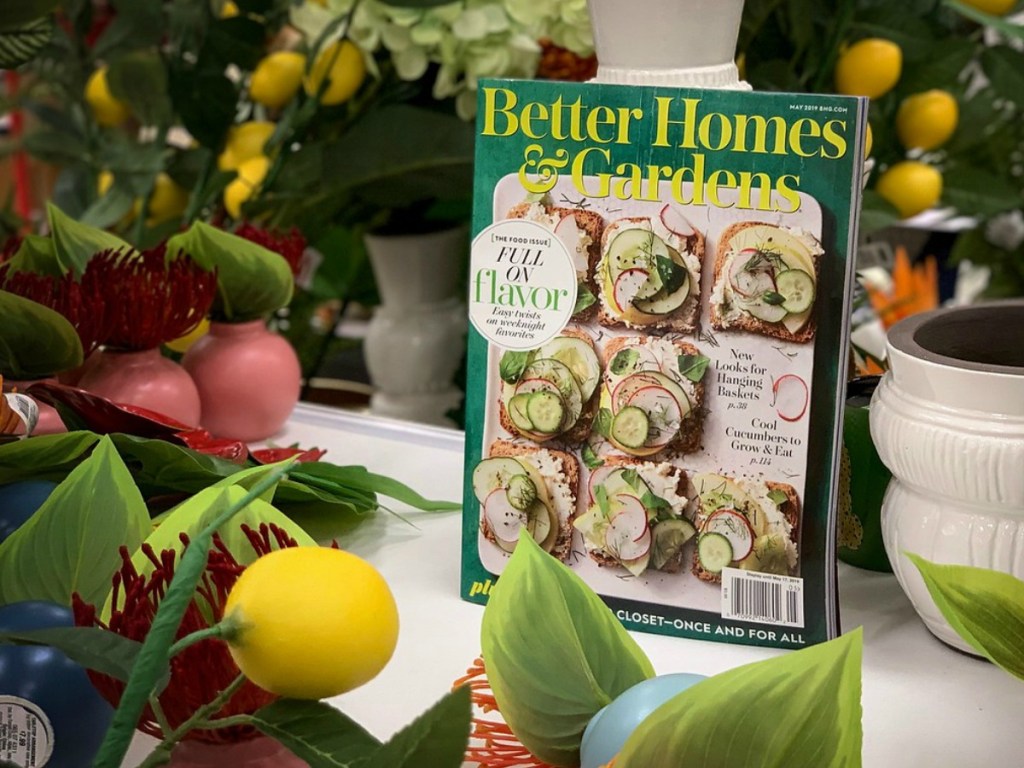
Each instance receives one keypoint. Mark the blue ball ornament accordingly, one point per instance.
(19, 501)
(608, 730)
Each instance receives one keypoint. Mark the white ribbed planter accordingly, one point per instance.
(948, 422)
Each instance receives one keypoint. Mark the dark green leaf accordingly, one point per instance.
(777, 496)
(801, 710)
(97, 649)
(973, 191)
(603, 422)
(358, 479)
(238, 40)
(632, 477)
(876, 212)
(584, 298)
(205, 101)
(48, 457)
(771, 297)
(109, 209)
(1008, 28)
(655, 503)
(549, 684)
(76, 243)
(139, 79)
(437, 738)
(1002, 65)
(601, 497)
(71, 543)
(693, 367)
(624, 361)
(672, 275)
(36, 254)
(35, 341)
(161, 467)
(51, 145)
(316, 732)
(15, 14)
(21, 44)
(591, 459)
(986, 608)
(512, 365)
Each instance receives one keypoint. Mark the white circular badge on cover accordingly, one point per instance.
(522, 284)
(26, 736)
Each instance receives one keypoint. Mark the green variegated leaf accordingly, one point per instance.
(550, 683)
(986, 608)
(801, 710)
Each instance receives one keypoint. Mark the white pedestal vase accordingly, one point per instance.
(948, 422)
(417, 336)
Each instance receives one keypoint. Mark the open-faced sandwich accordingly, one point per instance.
(525, 488)
(649, 273)
(551, 392)
(580, 230)
(748, 524)
(766, 280)
(652, 395)
(635, 516)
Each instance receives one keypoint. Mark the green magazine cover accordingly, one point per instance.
(658, 294)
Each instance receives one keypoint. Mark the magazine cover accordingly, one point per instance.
(658, 295)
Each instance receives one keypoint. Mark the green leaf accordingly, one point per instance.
(76, 243)
(693, 367)
(437, 738)
(601, 497)
(549, 684)
(358, 479)
(47, 457)
(624, 361)
(986, 608)
(35, 341)
(1007, 28)
(655, 503)
(251, 280)
(1002, 65)
(71, 543)
(801, 710)
(205, 100)
(973, 191)
(36, 254)
(512, 365)
(603, 422)
(15, 14)
(139, 79)
(20, 45)
(316, 732)
(162, 467)
(672, 275)
(591, 459)
(97, 649)
(777, 496)
(584, 298)
(773, 298)
(876, 212)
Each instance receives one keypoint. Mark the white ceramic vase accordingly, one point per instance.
(667, 42)
(948, 422)
(417, 336)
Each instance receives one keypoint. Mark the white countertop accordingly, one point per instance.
(925, 705)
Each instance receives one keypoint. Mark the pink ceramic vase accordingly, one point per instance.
(248, 379)
(261, 752)
(49, 420)
(146, 379)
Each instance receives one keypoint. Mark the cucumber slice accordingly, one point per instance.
(521, 492)
(714, 552)
(579, 357)
(616, 483)
(517, 412)
(491, 474)
(762, 310)
(798, 289)
(669, 538)
(630, 427)
(538, 522)
(634, 248)
(545, 411)
(561, 376)
(662, 303)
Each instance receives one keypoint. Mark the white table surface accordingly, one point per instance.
(925, 705)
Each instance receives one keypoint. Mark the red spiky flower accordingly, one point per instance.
(203, 670)
(289, 245)
(148, 299)
(557, 63)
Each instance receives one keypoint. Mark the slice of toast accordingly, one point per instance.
(568, 467)
(588, 221)
(578, 432)
(683, 320)
(790, 508)
(691, 431)
(745, 321)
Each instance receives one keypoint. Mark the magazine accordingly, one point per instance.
(658, 294)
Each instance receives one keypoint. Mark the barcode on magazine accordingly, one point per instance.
(764, 598)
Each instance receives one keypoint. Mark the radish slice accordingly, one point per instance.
(663, 410)
(505, 520)
(568, 232)
(628, 536)
(791, 397)
(628, 285)
(597, 477)
(528, 386)
(735, 528)
(745, 283)
(625, 389)
(641, 545)
(675, 222)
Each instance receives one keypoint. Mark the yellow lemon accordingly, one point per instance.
(168, 200)
(245, 141)
(312, 622)
(182, 344)
(228, 10)
(250, 174)
(869, 68)
(105, 108)
(869, 141)
(995, 7)
(104, 181)
(927, 120)
(911, 186)
(277, 78)
(341, 63)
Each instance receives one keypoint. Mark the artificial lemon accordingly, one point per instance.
(105, 108)
(341, 64)
(182, 344)
(245, 141)
(228, 10)
(927, 120)
(995, 7)
(168, 200)
(911, 186)
(869, 68)
(104, 181)
(313, 622)
(869, 141)
(250, 175)
(277, 78)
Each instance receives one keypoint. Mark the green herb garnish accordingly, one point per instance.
(603, 422)
(777, 496)
(584, 299)
(693, 367)
(601, 496)
(773, 298)
(672, 275)
(590, 458)
(512, 366)
(624, 360)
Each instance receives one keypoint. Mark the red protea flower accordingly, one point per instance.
(558, 63)
(148, 299)
(289, 245)
(202, 670)
(9, 248)
(491, 742)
